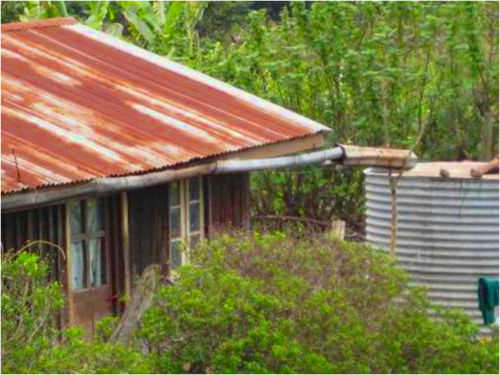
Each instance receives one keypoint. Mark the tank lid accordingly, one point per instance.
(459, 170)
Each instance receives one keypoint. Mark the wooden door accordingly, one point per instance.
(89, 265)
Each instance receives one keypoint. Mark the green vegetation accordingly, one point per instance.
(377, 73)
(29, 304)
(260, 303)
(32, 341)
(272, 304)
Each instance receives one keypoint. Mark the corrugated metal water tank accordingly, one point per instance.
(447, 232)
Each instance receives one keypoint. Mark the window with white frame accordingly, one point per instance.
(88, 255)
(186, 217)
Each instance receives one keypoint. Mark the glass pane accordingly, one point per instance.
(194, 217)
(174, 195)
(175, 254)
(194, 188)
(75, 213)
(175, 222)
(77, 266)
(97, 262)
(95, 213)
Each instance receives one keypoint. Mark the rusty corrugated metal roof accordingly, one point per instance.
(78, 104)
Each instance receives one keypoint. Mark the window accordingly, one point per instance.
(88, 256)
(186, 217)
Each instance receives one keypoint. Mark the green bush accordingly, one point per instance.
(77, 355)
(29, 310)
(32, 340)
(270, 303)
(255, 303)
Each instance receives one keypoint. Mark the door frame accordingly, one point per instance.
(100, 291)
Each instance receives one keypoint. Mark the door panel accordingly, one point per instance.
(90, 306)
(90, 282)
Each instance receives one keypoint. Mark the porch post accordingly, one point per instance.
(126, 242)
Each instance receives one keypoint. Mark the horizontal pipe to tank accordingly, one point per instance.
(349, 155)
(235, 166)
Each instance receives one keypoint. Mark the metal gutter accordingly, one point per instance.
(349, 155)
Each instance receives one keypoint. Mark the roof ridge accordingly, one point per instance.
(38, 24)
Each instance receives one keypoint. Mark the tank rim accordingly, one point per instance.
(431, 170)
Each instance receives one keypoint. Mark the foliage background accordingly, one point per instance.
(377, 73)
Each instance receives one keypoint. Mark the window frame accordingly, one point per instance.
(185, 202)
(85, 237)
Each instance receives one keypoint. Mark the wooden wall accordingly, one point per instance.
(148, 226)
(229, 201)
(226, 204)
(47, 224)
(113, 212)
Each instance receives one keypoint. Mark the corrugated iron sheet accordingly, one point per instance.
(78, 104)
(447, 232)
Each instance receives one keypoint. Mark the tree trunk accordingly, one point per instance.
(142, 299)
(487, 138)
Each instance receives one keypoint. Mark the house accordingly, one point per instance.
(104, 154)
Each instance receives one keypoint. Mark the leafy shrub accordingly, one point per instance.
(270, 303)
(29, 309)
(32, 341)
(77, 355)
(251, 303)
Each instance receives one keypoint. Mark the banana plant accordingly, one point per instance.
(150, 22)
(34, 10)
(99, 10)
(160, 21)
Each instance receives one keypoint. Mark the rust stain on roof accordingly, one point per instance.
(78, 104)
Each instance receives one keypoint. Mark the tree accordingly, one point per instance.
(11, 11)
(377, 74)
